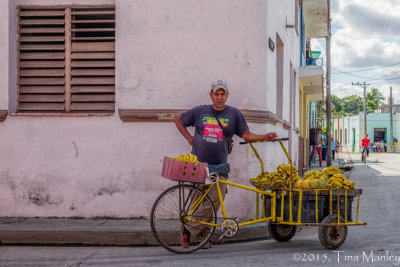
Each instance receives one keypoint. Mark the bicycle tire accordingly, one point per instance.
(166, 219)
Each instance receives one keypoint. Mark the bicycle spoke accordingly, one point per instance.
(169, 211)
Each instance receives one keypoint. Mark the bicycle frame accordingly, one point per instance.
(195, 205)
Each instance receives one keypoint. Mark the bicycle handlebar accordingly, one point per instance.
(268, 140)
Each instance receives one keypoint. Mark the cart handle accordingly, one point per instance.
(263, 141)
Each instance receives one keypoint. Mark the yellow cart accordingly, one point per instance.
(328, 208)
(178, 208)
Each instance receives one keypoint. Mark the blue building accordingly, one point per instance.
(378, 129)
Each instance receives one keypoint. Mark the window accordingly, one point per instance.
(66, 59)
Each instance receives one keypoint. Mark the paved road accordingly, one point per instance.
(377, 244)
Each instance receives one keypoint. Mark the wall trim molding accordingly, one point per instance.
(3, 115)
(168, 115)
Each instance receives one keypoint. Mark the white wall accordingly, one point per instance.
(167, 54)
(277, 13)
(350, 122)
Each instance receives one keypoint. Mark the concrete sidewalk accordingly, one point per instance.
(116, 232)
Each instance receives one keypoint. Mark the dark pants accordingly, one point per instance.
(366, 148)
(333, 154)
(324, 150)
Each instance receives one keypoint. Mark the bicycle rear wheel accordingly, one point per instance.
(168, 215)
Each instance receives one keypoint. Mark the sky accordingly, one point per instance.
(365, 46)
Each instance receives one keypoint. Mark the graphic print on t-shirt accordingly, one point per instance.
(212, 130)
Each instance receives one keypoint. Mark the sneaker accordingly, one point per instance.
(185, 237)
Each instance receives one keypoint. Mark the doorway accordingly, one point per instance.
(379, 134)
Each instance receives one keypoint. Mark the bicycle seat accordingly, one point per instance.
(221, 168)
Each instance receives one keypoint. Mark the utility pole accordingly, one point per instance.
(364, 85)
(391, 118)
(328, 91)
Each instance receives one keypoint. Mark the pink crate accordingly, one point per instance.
(182, 171)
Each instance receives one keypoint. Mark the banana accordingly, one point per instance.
(189, 157)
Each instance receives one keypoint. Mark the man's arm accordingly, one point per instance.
(183, 130)
(251, 137)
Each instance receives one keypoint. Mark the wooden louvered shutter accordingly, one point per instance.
(41, 54)
(66, 59)
(93, 59)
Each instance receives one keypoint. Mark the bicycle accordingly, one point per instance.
(364, 155)
(175, 210)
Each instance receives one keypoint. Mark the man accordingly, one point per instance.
(365, 144)
(317, 148)
(324, 142)
(334, 146)
(209, 142)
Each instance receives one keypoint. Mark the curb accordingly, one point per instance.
(110, 232)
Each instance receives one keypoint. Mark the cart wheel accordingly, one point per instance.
(332, 237)
(282, 232)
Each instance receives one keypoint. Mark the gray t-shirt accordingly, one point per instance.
(209, 143)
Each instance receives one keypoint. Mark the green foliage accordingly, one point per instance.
(374, 99)
(352, 105)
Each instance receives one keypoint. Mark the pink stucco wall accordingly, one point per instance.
(167, 54)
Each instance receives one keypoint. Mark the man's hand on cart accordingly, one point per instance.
(270, 136)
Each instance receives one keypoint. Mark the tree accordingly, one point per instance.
(374, 99)
(337, 102)
(352, 104)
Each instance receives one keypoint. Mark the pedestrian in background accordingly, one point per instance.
(334, 146)
(317, 148)
(323, 146)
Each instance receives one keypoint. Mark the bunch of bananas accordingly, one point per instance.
(189, 157)
(313, 179)
(329, 171)
(330, 177)
(314, 174)
(281, 178)
(339, 181)
(261, 180)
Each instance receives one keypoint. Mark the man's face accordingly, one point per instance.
(219, 99)
(366, 136)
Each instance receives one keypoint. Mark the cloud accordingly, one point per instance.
(367, 21)
(350, 51)
(342, 90)
(367, 33)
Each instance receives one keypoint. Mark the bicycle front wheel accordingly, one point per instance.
(170, 216)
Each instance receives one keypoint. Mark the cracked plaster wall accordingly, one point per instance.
(168, 52)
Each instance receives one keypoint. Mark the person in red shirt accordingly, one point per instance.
(365, 144)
